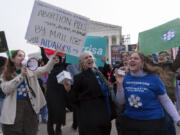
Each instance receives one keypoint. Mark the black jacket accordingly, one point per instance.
(56, 95)
(91, 106)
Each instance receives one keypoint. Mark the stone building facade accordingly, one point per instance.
(113, 33)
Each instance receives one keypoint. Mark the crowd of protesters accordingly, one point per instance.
(141, 99)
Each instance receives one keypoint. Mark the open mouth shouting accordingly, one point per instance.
(135, 63)
(88, 61)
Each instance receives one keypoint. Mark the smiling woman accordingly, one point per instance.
(144, 96)
(90, 94)
(86, 60)
(135, 63)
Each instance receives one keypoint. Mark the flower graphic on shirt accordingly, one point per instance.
(135, 101)
(22, 90)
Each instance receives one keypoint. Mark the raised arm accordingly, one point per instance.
(44, 57)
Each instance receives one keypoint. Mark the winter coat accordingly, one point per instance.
(87, 95)
(56, 96)
(9, 88)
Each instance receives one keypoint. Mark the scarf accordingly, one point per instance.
(102, 78)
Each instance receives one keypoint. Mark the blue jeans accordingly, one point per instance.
(44, 114)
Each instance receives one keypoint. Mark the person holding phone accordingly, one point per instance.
(143, 94)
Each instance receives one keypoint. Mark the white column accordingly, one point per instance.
(118, 39)
(109, 48)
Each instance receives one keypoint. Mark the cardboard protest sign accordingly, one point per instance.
(97, 45)
(160, 38)
(132, 47)
(3, 43)
(53, 27)
(116, 53)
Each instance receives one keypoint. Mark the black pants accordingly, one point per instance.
(75, 122)
(25, 122)
(98, 130)
(170, 127)
(143, 127)
(119, 123)
(50, 127)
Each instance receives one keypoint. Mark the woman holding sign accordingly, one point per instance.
(90, 94)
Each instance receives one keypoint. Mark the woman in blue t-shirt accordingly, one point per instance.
(143, 94)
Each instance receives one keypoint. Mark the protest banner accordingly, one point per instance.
(3, 43)
(53, 27)
(50, 52)
(97, 45)
(132, 47)
(116, 53)
(160, 38)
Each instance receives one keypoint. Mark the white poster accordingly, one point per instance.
(53, 27)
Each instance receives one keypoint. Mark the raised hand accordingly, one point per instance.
(119, 79)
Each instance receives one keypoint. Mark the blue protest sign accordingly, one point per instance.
(97, 45)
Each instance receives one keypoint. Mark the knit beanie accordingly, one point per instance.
(10, 53)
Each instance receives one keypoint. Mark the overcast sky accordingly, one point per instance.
(133, 15)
